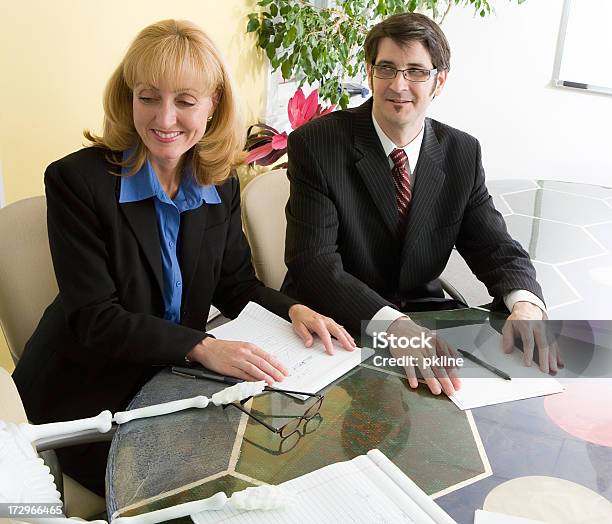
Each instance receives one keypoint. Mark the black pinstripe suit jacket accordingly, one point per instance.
(343, 250)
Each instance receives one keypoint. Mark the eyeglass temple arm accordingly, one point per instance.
(268, 388)
(263, 423)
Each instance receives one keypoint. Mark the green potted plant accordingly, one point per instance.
(324, 46)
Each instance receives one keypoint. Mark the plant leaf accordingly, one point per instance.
(253, 25)
(258, 152)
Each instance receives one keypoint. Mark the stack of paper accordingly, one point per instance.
(477, 392)
(367, 489)
(310, 369)
(485, 343)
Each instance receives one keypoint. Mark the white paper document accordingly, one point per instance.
(213, 313)
(485, 343)
(310, 369)
(478, 392)
(489, 517)
(367, 489)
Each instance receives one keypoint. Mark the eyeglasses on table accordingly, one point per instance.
(290, 427)
(287, 444)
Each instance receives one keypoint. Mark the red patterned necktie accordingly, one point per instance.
(403, 190)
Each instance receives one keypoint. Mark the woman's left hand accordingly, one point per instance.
(306, 322)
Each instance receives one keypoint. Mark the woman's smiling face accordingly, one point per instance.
(170, 121)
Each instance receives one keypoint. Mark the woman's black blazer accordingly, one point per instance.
(104, 334)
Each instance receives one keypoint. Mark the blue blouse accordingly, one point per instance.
(145, 184)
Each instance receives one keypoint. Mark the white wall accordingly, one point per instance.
(499, 91)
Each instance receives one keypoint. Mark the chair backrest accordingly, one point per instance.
(11, 408)
(264, 222)
(27, 280)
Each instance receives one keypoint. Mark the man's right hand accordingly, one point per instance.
(238, 359)
(437, 378)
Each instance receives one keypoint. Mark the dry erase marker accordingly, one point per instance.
(482, 363)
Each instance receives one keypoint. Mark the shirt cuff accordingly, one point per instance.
(522, 295)
(381, 321)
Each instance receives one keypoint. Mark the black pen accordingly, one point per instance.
(200, 373)
(482, 363)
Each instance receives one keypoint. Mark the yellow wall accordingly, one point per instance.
(5, 358)
(55, 58)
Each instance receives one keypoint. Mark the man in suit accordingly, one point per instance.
(380, 194)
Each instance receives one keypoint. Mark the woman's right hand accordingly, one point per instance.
(238, 359)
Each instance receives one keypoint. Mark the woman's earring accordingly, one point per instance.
(209, 118)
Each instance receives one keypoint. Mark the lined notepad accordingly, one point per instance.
(367, 489)
(310, 369)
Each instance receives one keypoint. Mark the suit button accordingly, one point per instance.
(178, 284)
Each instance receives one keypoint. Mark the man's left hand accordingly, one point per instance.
(527, 321)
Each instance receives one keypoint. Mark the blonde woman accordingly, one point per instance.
(145, 234)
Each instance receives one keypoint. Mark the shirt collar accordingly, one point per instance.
(412, 150)
(145, 184)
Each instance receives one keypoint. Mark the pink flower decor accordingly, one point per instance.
(266, 145)
(301, 110)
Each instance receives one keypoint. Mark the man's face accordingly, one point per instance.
(399, 104)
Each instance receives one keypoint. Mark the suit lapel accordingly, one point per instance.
(429, 181)
(193, 224)
(143, 221)
(373, 166)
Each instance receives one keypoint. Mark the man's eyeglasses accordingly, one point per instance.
(287, 444)
(292, 426)
(412, 74)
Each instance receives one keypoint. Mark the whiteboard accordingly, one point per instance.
(584, 47)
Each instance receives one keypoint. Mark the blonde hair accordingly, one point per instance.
(170, 50)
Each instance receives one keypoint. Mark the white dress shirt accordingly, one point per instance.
(385, 316)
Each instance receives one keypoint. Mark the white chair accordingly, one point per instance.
(80, 502)
(264, 222)
(27, 287)
(27, 280)
(11, 408)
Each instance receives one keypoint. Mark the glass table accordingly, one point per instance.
(193, 454)
(567, 230)
(458, 457)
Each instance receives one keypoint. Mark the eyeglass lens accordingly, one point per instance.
(293, 425)
(290, 427)
(388, 72)
(313, 410)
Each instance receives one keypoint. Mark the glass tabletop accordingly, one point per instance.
(189, 455)
(459, 457)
